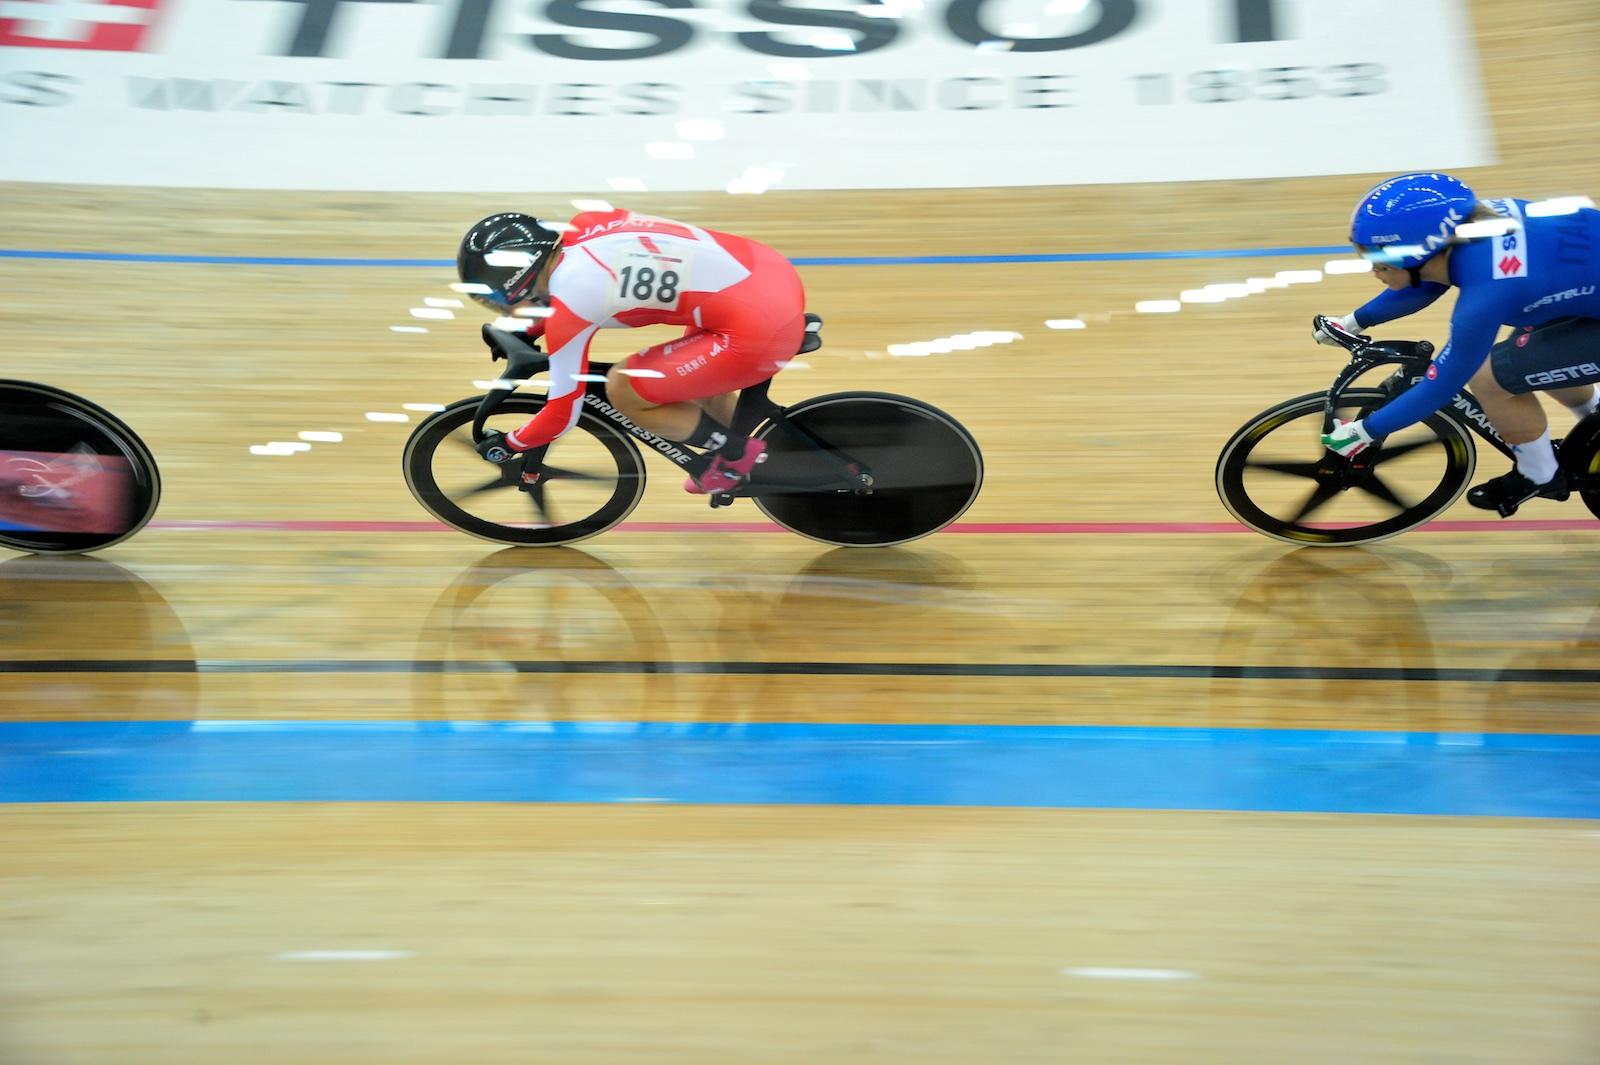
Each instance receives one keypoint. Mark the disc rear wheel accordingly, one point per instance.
(73, 476)
(915, 469)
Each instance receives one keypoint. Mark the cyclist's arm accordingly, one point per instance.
(1390, 304)
(1472, 334)
(567, 338)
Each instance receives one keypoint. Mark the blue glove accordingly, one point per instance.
(1347, 439)
(494, 447)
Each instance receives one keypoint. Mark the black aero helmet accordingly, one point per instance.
(502, 256)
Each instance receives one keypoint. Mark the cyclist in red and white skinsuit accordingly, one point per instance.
(741, 305)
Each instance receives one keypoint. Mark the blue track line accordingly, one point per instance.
(830, 260)
(1061, 766)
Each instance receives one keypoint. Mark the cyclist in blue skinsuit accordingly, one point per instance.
(1537, 269)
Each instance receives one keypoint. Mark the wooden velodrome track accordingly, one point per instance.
(748, 905)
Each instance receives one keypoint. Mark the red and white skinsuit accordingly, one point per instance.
(741, 305)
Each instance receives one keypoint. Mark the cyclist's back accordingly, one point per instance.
(1545, 267)
(625, 269)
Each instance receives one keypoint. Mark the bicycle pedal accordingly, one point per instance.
(721, 499)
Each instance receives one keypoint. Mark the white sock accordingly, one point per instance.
(1537, 459)
(1589, 406)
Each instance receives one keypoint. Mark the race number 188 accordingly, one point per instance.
(1267, 83)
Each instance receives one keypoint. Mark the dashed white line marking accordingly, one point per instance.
(1102, 973)
(344, 955)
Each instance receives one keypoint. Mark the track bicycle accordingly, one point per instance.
(856, 469)
(73, 477)
(1275, 476)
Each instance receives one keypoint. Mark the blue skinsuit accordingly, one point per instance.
(1543, 269)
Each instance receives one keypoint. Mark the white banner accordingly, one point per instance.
(632, 95)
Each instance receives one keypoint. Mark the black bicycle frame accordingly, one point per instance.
(523, 360)
(1411, 357)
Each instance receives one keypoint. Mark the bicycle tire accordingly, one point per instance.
(600, 460)
(926, 468)
(1456, 447)
(42, 420)
(1579, 453)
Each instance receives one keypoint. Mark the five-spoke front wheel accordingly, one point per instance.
(1275, 476)
(593, 477)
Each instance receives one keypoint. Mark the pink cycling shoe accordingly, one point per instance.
(724, 475)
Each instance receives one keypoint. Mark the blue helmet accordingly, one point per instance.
(1406, 220)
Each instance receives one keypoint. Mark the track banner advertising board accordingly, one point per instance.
(664, 95)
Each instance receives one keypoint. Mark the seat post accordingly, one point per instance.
(751, 407)
(753, 404)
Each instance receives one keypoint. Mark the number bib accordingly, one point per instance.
(649, 280)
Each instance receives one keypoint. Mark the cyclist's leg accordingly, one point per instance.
(648, 385)
(1507, 399)
(1572, 345)
(687, 387)
(680, 388)
(687, 390)
(1581, 400)
(1559, 356)
(762, 321)
(719, 408)
(669, 388)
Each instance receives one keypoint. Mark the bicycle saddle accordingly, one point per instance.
(813, 339)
